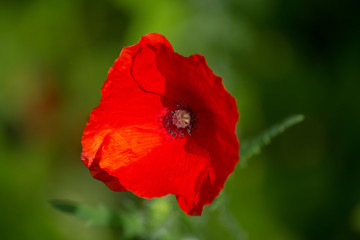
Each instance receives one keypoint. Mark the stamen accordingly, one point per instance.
(180, 121)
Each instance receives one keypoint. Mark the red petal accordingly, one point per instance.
(149, 167)
(100, 174)
(144, 69)
(123, 103)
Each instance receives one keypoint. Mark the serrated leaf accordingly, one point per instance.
(252, 147)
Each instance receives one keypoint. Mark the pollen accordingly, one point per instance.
(181, 118)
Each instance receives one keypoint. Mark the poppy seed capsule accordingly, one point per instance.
(181, 118)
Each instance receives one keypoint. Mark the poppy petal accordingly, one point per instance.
(123, 103)
(150, 167)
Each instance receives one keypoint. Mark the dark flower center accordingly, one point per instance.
(180, 121)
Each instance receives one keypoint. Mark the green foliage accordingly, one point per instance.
(100, 216)
(129, 222)
(252, 147)
(156, 219)
(65, 206)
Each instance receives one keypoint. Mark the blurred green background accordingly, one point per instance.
(277, 57)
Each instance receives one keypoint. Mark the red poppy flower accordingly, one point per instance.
(165, 125)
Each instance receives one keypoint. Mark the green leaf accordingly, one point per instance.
(252, 147)
(64, 206)
(100, 216)
(131, 223)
